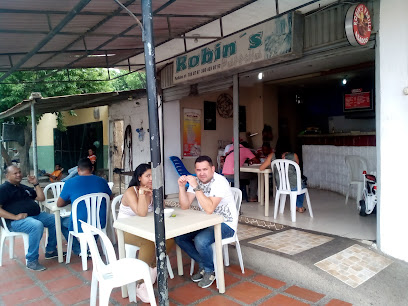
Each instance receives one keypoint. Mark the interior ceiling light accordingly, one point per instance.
(344, 81)
(260, 76)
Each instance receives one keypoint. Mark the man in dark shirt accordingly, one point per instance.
(22, 214)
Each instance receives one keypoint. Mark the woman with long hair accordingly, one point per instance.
(138, 201)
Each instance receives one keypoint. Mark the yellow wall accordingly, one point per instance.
(45, 130)
(86, 115)
(45, 127)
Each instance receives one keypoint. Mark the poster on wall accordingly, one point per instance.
(357, 100)
(192, 132)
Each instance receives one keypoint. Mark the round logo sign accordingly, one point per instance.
(358, 25)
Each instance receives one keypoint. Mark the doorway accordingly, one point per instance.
(73, 144)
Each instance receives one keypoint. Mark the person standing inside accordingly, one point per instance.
(23, 214)
(214, 196)
(92, 158)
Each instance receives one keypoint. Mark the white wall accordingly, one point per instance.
(171, 134)
(137, 116)
(392, 126)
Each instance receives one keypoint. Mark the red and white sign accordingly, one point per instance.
(357, 101)
(358, 25)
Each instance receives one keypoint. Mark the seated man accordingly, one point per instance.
(56, 175)
(263, 152)
(214, 196)
(84, 183)
(228, 169)
(23, 214)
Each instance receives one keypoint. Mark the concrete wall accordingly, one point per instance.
(392, 127)
(172, 140)
(270, 110)
(209, 139)
(137, 116)
(45, 142)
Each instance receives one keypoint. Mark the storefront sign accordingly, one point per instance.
(357, 101)
(358, 25)
(192, 132)
(263, 44)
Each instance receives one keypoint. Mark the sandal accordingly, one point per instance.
(300, 209)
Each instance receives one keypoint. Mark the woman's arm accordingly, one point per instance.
(138, 203)
(267, 162)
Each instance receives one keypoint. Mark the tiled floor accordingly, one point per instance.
(331, 216)
(64, 284)
(354, 265)
(291, 241)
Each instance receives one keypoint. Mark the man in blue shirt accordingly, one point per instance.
(84, 183)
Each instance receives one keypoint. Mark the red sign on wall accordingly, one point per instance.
(357, 101)
(358, 25)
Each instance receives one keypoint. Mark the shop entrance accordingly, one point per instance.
(73, 144)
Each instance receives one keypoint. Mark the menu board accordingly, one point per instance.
(357, 101)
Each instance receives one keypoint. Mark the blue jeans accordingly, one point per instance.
(34, 227)
(65, 231)
(71, 173)
(300, 197)
(198, 245)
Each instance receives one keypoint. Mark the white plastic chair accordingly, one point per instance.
(282, 166)
(5, 233)
(92, 203)
(130, 249)
(237, 193)
(117, 273)
(110, 184)
(356, 165)
(56, 189)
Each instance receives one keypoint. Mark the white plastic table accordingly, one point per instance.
(263, 183)
(51, 205)
(185, 221)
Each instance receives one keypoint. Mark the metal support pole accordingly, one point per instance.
(157, 169)
(34, 135)
(235, 112)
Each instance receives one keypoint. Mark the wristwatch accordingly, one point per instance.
(198, 188)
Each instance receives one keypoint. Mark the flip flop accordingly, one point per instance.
(301, 209)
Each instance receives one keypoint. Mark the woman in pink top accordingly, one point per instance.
(138, 201)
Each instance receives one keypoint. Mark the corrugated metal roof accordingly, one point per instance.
(99, 27)
(102, 27)
(65, 103)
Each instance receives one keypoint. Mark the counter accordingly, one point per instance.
(325, 167)
(340, 139)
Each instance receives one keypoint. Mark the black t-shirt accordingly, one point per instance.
(17, 199)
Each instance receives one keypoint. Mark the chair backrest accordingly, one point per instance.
(55, 188)
(110, 184)
(356, 165)
(92, 203)
(237, 193)
(179, 166)
(282, 166)
(100, 268)
(116, 202)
